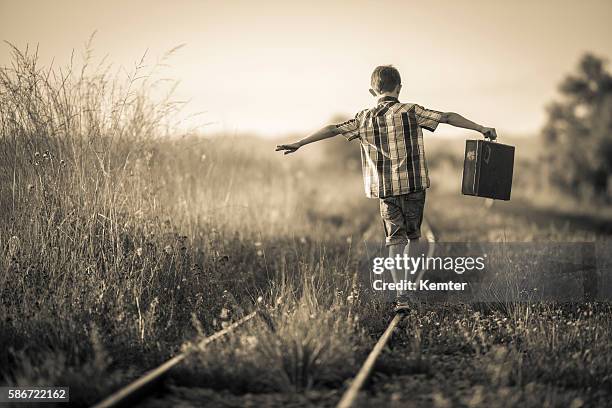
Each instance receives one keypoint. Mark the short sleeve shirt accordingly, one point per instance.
(392, 151)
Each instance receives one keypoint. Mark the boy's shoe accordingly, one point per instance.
(403, 303)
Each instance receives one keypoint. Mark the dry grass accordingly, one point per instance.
(114, 237)
(118, 242)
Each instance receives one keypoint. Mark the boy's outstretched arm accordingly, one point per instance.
(457, 120)
(323, 133)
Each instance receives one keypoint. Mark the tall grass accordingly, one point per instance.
(73, 152)
(115, 235)
(120, 240)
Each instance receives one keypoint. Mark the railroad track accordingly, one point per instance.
(350, 395)
(139, 388)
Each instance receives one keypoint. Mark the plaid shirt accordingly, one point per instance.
(392, 152)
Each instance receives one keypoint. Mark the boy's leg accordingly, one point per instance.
(397, 275)
(402, 217)
(411, 249)
(396, 237)
(413, 208)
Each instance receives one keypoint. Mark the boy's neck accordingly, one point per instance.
(388, 94)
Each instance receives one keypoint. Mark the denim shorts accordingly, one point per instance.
(402, 216)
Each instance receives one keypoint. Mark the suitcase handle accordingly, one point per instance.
(490, 140)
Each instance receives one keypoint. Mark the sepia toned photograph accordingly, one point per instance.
(306, 204)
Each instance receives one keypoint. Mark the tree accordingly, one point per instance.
(578, 132)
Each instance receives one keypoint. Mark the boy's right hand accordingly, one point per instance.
(288, 148)
(489, 133)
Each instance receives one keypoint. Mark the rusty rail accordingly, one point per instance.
(349, 396)
(138, 388)
(351, 393)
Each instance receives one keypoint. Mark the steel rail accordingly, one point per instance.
(351, 393)
(137, 388)
(349, 396)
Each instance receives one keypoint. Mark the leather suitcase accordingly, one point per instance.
(487, 169)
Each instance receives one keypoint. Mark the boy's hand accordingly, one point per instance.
(289, 148)
(489, 133)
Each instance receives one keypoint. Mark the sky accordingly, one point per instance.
(278, 67)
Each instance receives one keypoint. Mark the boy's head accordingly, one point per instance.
(385, 80)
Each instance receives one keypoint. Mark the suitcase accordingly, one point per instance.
(487, 169)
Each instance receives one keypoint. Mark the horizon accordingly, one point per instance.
(237, 65)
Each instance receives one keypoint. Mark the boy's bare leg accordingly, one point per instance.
(411, 250)
(397, 275)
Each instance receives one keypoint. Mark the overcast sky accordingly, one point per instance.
(286, 66)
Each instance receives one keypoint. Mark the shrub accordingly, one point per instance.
(578, 133)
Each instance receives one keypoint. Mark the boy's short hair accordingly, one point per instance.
(385, 78)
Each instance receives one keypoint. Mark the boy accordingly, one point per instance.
(393, 158)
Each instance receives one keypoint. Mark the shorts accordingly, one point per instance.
(402, 216)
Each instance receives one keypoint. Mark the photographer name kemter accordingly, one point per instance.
(412, 265)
